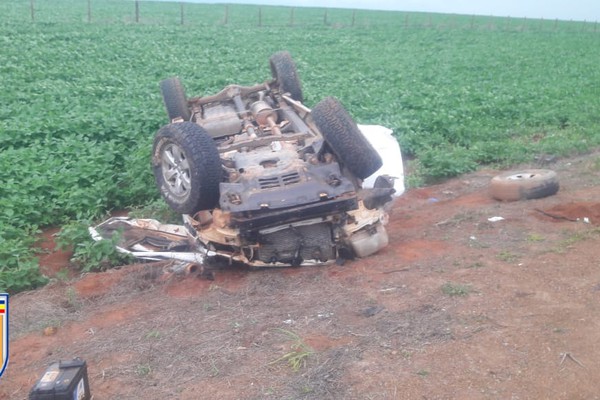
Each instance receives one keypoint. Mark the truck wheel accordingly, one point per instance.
(345, 139)
(283, 70)
(524, 185)
(174, 99)
(187, 167)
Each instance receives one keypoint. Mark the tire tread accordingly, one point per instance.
(345, 139)
(174, 99)
(205, 166)
(283, 69)
(543, 183)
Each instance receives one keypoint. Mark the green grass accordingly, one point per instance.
(456, 289)
(535, 237)
(572, 238)
(298, 354)
(80, 101)
(507, 256)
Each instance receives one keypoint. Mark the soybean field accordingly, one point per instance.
(80, 100)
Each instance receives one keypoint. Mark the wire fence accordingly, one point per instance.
(239, 15)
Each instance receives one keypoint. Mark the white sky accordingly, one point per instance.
(581, 10)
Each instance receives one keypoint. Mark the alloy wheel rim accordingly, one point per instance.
(176, 170)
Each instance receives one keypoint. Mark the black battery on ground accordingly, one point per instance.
(63, 380)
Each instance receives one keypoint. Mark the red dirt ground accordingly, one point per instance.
(455, 307)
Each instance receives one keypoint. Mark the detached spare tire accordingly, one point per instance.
(187, 167)
(524, 185)
(283, 70)
(174, 98)
(347, 142)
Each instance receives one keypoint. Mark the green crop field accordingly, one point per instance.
(80, 100)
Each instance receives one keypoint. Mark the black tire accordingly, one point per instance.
(524, 185)
(174, 98)
(283, 70)
(345, 139)
(187, 167)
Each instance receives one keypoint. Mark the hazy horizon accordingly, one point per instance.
(579, 10)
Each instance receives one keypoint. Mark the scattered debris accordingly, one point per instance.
(396, 270)
(150, 240)
(325, 315)
(587, 212)
(50, 330)
(371, 311)
(555, 216)
(495, 219)
(572, 358)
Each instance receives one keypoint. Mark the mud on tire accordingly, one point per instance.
(345, 139)
(174, 98)
(524, 185)
(283, 69)
(187, 167)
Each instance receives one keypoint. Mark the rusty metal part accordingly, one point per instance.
(104, 230)
(262, 112)
(228, 93)
(192, 269)
(298, 123)
(363, 217)
(221, 219)
(263, 141)
(296, 104)
(365, 230)
(220, 120)
(265, 115)
(295, 244)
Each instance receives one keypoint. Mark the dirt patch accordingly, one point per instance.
(587, 212)
(53, 262)
(460, 305)
(97, 284)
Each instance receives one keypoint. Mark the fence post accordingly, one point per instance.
(325, 18)
(89, 11)
(292, 17)
(406, 21)
(137, 11)
(226, 15)
(181, 9)
(595, 26)
(353, 17)
(472, 21)
(32, 3)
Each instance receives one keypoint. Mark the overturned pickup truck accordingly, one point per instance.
(262, 179)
